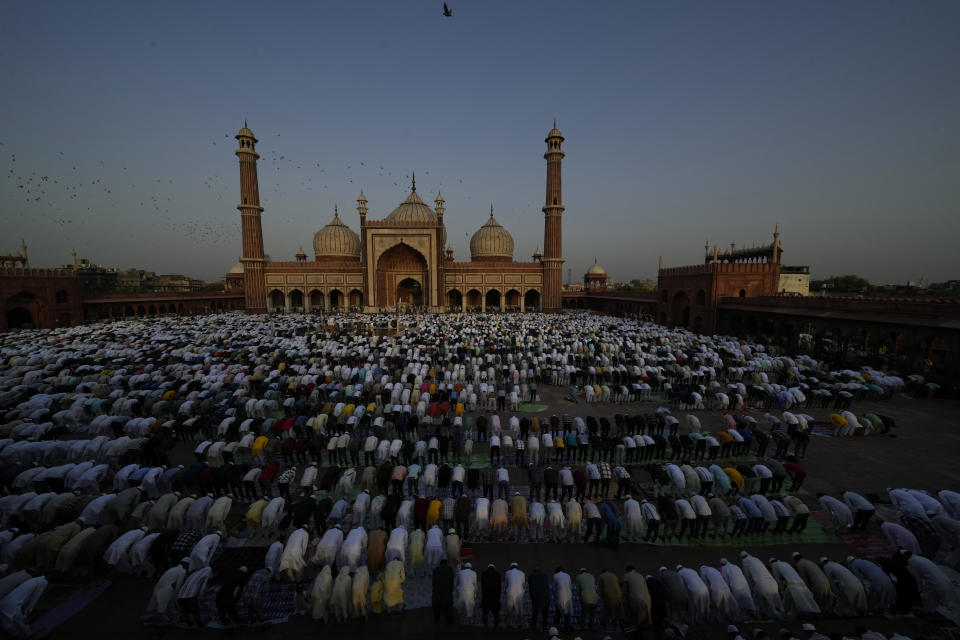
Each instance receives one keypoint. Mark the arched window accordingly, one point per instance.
(701, 298)
(743, 293)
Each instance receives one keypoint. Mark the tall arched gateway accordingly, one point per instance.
(402, 276)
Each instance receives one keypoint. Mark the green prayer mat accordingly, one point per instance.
(532, 408)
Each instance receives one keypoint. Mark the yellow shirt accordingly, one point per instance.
(393, 579)
(255, 512)
(433, 512)
(376, 596)
(259, 444)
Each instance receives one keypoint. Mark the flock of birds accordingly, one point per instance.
(68, 192)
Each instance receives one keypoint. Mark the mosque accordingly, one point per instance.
(402, 259)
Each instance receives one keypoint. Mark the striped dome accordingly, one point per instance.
(491, 241)
(336, 240)
(412, 209)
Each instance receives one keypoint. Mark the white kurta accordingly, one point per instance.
(272, 513)
(466, 593)
(563, 592)
(165, 591)
(117, 552)
(202, 552)
(342, 594)
(765, 591)
(272, 559)
(733, 576)
(515, 581)
(434, 550)
(698, 595)
(352, 548)
(328, 547)
(320, 593)
(397, 545)
(293, 559)
(720, 595)
(797, 597)
(16, 606)
(139, 556)
(851, 597)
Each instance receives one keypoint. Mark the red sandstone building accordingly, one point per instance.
(689, 295)
(402, 258)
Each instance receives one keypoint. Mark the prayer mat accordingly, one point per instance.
(532, 408)
(277, 606)
(66, 609)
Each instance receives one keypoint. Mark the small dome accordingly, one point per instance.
(412, 210)
(245, 133)
(491, 241)
(596, 270)
(336, 240)
(237, 268)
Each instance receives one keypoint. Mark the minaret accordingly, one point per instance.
(777, 250)
(439, 208)
(552, 227)
(23, 252)
(362, 210)
(255, 291)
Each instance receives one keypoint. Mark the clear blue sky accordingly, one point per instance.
(683, 121)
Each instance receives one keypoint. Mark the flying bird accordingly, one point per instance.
(446, 11)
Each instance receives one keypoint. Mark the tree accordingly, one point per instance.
(845, 284)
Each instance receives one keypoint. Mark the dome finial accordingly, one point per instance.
(336, 214)
(491, 209)
(244, 123)
(413, 186)
(554, 123)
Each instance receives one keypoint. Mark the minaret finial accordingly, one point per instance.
(336, 214)
(244, 123)
(491, 209)
(413, 177)
(554, 123)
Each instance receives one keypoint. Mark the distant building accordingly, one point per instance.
(402, 258)
(133, 279)
(688, 296)
(794, 281)
(168, 283)
(595, 279)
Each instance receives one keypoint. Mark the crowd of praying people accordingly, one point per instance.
(355, 458)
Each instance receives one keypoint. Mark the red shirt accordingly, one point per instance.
(269, 472)
(793, 467)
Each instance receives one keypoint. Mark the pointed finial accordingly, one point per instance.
(336, 214)
(244, 123)
(491, 209)
(413, 177)
(554, 123)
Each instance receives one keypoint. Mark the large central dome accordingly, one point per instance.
(412, 210)
(336, 240)
(491, 241)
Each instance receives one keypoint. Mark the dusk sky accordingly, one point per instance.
(684, 121)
